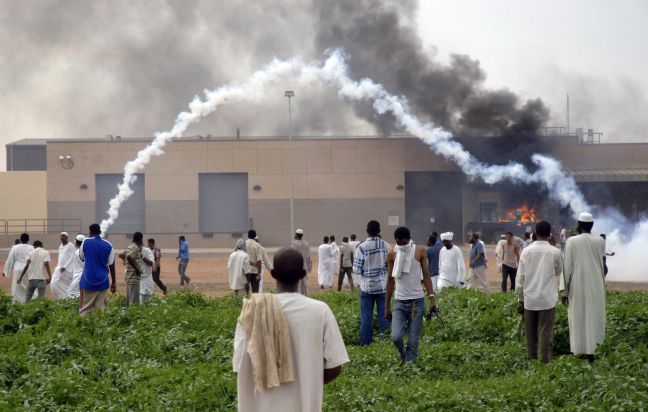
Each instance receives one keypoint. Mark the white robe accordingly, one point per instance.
(147, 287)
(238, 265)
(452, 268)
(61, 280)
(584, 283)
(73, 290)
(326, 255)
(266, 267)
(14, 266)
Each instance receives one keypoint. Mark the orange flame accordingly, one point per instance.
(522, 214)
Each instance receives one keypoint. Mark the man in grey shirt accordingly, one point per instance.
(346, 264)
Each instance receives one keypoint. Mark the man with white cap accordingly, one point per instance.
(452, 268)
(583, 289)
(303, 248)
(62, 277)
(73, 290)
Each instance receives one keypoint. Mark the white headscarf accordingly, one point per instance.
(447, 236)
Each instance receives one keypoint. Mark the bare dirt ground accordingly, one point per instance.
(209, 275)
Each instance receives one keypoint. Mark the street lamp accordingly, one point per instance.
(289, 94)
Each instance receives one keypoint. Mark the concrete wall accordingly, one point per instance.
(339, 184)
(24, 195)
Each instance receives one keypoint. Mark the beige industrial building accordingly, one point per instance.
(214, 189)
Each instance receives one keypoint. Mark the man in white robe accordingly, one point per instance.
(147, 286)
(63, 273)
(452, 267)
(326, 256)
(73, 290)
(237, 266)
(15, 264)
(583, 289)
(335, 265)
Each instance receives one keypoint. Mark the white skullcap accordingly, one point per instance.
(299, 231)
(585, 217)
(447, 236)
(64, 234)
(503, 236)
(80, 238)
(256, 238)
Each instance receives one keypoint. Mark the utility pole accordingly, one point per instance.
(290, 94)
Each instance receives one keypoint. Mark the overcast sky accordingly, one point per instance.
(50, 59)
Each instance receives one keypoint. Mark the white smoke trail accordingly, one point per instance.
(248, 91)
(334, 71)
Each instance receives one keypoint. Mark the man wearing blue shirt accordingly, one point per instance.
(183, 260)
(99, 259)
(370, 261)
(477, 265)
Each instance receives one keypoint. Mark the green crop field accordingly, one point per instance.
(175, 354)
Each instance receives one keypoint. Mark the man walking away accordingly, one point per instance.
(237, 266)
(302, 246)
(63, 272)
(407, 263)
(353, 244)
(370, 261)
(346, 264)
(37, 262)
(537, 291)
(99, 259)
(583, 289)
(308, 353)
(510, 259)
(335, 264)
(132, 258)
(14, 265)
(452, 268)
(73, 290)
(147, 286)
(253, 249)
(183, 260)
(266, 264)
(477, 265)
(325, 264)
(157, 267)
(433, 250)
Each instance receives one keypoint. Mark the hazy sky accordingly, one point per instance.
(62, 61)
(594, 50)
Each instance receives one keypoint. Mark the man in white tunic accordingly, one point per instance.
(452, 268)
(302, 246)
(73, 290)
(237, 266)
(63, 273)
(583, 289)
(326, 256)
(147, 286)
(318, 351)
(14, 265)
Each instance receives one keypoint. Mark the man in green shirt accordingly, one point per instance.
(132, 258)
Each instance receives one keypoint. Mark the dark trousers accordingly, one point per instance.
(508, 272)
(345, 271)
(538, 327)
(253, 280)
(158, 281)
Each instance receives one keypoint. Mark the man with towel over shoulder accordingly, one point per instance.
(452, 267)
(278, 365)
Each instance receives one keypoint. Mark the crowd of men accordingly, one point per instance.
(287, 345)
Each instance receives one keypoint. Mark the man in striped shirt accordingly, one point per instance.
(370, 262)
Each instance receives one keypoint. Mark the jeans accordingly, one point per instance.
(367, 301)
(508, 272)
(182, 269)
(538, 328)
(34, 285)
(407, 314)
(345, 271)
